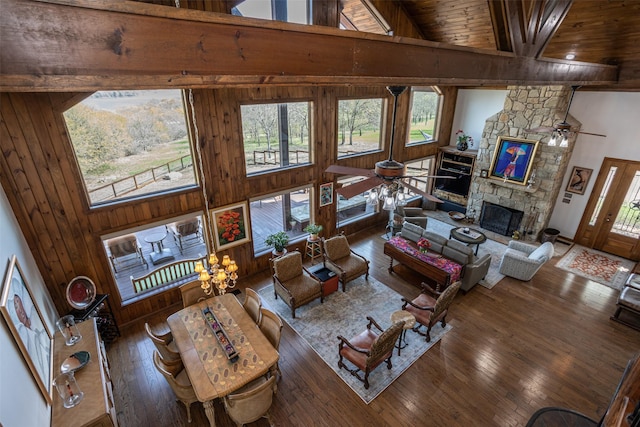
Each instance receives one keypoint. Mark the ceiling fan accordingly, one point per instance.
(388, 172)
(563, 129)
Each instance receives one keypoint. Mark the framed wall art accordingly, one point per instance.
(24, 318)
(578, 180)
(231, 226)
(326, 194)
(513, 159)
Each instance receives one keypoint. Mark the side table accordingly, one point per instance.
(409, 322)
(313, 249)
(101, 310)
(328, 278)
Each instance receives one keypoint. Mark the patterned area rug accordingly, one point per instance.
(344, 313)
(600, 267)
(492, 247)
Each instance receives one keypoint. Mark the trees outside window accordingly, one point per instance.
(425, 106)
(131, 143)
(275, 135)
(359, 125)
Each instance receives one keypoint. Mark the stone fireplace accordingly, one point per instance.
(499, 219)
(525, 107)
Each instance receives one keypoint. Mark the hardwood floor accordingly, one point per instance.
(512, 350)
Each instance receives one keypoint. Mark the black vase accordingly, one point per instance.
(462, 145)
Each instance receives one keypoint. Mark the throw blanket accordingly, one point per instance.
(442, 263)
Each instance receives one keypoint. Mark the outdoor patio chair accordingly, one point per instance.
(125, 247)
(186, 232)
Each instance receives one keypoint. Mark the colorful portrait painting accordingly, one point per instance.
(231, 226)
(512, 160)
(26, 323)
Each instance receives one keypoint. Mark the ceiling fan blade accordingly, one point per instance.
(540, 129)
(594, 134)
(346, 170)
(348, 191)
(422, 193)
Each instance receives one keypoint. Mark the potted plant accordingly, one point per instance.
(313, 230)
(278, 241)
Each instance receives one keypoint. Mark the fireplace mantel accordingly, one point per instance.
(502, 183)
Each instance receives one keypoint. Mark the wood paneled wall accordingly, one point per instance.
(42, 181)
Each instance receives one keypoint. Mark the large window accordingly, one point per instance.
(275, 135)
(137, 252)
(425, 106)
(284, 211)
(359, 126)
(131, 143)
(298, 11)
(354, 208)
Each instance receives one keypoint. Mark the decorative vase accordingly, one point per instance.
(462, 145)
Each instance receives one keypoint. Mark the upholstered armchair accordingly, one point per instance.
(522, 260)
(293, 283)
(339, 258)
(430, 307)
(369, 349)
(413, 215)
(251, 402)
(178, 380)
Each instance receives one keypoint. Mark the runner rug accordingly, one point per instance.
(345, 313)
(496, 249)
(600, 267)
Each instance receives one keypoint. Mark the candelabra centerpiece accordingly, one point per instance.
(217, 276)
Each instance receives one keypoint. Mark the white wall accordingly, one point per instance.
(21, 402)
(473, 107)
(615, 114)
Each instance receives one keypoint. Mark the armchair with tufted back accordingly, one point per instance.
(293, 283)
(339, 258)
(431, 307)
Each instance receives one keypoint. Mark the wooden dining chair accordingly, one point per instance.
(251, 402)
(164, 344)
(271, 326)
(252, 304)
(192, 293)
(178, 380)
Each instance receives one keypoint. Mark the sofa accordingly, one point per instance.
(522, 260)
(474, 268)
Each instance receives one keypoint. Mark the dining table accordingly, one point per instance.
(211, 372)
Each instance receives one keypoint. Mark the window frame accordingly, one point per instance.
(384, 107)
(356, 218)
(437, 119)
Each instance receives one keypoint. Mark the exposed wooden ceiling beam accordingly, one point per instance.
(532, 23)
(77, 45)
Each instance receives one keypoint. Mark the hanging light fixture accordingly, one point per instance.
(217, 276)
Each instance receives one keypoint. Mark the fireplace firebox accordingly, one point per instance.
(500, 219)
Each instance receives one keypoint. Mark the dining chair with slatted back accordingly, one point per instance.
(178, 380)
(164, 344)
(251, 402)
(252, 304)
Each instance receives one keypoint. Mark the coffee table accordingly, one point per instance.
(161, 254)
(469, 236)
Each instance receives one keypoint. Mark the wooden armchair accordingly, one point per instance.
(339, 258)
(431, 307)
(369, 349)
(178, 380)
(293, 283)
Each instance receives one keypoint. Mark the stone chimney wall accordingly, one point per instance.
(525, 107)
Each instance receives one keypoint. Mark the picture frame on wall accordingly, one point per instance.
(24, 318)
(578, 180)
(326, 194)
(513, 160)
(231, 226)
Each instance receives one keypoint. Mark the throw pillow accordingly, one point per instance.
(542, 253)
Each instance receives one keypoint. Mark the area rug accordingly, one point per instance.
(345, 313)
(610, 270)
(492, 247)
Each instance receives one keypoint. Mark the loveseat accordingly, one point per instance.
(474, 268)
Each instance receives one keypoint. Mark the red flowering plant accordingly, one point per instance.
(464, 140)
(230, 227)
(424, 244)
